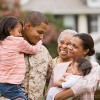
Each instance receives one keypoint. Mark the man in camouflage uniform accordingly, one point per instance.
(38, 66)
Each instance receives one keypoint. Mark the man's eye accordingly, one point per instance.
(40, 32)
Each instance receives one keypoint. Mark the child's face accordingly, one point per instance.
(16, 31)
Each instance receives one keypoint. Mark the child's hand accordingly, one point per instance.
(66, 74)
(40, 42)
(59, 82)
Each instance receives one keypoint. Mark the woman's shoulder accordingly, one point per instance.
(96, 67)
(54, 61)
(61, 66)
(94, 63)
(57, 62)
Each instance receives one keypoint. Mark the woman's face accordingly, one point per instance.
(62, 45)
(75, 48)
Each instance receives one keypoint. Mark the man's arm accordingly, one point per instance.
(64, 94)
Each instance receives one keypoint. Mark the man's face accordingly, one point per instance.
(34, 34)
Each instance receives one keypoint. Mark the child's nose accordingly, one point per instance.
(20, 34)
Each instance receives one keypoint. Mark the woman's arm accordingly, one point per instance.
(64, 94)
(88, 84)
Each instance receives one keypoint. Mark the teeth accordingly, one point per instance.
(63, 51)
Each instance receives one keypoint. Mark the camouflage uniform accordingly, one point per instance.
(39, 69)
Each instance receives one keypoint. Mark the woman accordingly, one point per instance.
(81, 45)
(83, 68)
(63, 42)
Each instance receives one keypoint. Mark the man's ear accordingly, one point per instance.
(27, 25)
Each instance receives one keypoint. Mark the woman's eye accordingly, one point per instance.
(75, 46)
(61, 42)
(69, 44)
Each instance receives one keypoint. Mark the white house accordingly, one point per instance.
(81, 15)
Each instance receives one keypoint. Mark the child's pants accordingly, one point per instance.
(11, 91)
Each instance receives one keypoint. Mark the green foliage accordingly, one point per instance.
(9, 8)
(56, 20)
(52, 47)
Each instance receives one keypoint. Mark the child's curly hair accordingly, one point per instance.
(84, 65)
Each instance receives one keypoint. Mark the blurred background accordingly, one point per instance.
(80, 15)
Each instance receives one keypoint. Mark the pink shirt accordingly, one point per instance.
(12, 64)
(86, 87)
(58, 71)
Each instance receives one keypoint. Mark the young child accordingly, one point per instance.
(83, 67)
(12, 64)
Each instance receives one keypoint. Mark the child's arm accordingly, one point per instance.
(73, 79)
(25, 47)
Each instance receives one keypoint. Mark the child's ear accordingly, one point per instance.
(10, 31)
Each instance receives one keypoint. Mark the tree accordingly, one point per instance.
(9, 7)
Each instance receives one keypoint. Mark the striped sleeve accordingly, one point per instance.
(25, 47)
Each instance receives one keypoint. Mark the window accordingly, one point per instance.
(93, 3)
(70, 22)
(93, 24)
(22, 2)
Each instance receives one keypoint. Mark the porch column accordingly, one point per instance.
(82, 24)
(98, 26)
